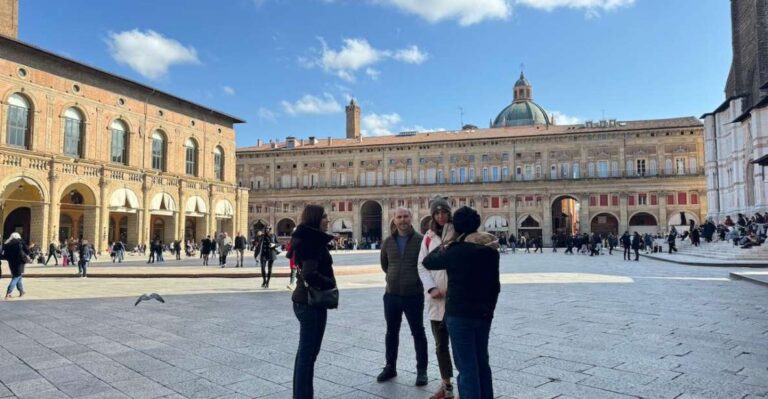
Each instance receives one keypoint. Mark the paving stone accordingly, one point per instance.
(17, 372)
(141, 388)
(83, 387)
(554, 373)
(199, 389)
(29, 387)
(256, 387)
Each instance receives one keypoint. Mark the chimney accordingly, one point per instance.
(312, 140)
(330, 141)
(301, 142)
(290, 142)
(258, 142)
(9, 18)
(353, 119)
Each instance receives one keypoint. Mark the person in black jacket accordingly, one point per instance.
(310, 248)
(16, 253)
(637, 241)
(472, 263)
(266, 252)
(205, 249)
(53, 251)
(239, 249)
(626, 243)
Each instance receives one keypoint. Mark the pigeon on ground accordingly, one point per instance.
(146, 297)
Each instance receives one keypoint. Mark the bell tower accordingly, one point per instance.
(353, 120)
(523, 89)
(9, 18)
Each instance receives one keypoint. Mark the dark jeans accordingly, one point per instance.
(637, 253)
(627, 253)
(55, 259)
(413, 307)
(442, 348)
(312, 321)
(470, 351)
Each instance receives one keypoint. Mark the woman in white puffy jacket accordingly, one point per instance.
(436, 288)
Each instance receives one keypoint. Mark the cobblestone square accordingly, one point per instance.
(566, 327)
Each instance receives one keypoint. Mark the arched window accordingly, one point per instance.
(119, 142)
(190, 150)
(73, 132)
(17, 132)
(158, 150)
(218, 163)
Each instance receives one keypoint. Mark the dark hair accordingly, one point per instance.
(312, 215)
(437, 228)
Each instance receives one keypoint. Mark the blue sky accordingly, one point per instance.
(288, 67)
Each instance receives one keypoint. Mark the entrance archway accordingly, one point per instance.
(424, 225)
(224, 217)
(529, 227)
(23, 200)
(195, 211)
(77, 213)
(371, 217)
(643, 223)
(285, 227)
(123, 217)
(18, 221)
(162, 221)
(604, 223)
(565, 215)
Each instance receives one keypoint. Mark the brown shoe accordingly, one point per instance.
(21, 294)
(7, 296)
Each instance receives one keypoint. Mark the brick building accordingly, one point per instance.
(85, 153)
(524, 174)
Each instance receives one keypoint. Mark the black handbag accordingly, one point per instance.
(328, 299)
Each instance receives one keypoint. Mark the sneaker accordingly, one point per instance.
(421, 378)
(21, 294)
(386, 374)
(444, 392)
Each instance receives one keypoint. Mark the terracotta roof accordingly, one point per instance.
(480, 134)
(7, 41)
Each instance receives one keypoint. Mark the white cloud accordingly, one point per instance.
(467, 12)
(149, 53)
(266, 114)
(563, 119)
(310, 104)
(589, 5)
(228, 90)
(411, 55)
(420, 129)
(379, 124)
(357, 54)
(373, 73)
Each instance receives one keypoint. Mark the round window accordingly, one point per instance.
(160, 112)
(22, 72)
(76, 88)
(121, 101)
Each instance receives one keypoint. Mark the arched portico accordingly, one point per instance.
(643, 222)
(162, 222)
(605, 223)
(285, 227)
(529, 226)
(24, 209)
(371, 217)
(78, 213)
(124, 208)
(224, 217)
(195, 212)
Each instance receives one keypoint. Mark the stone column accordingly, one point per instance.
(623, 218)
(546, 229)
(53, 205)
(663, 211)
(210, 218)
(512, 216)
(357, 224)
(703, 205)
(385, 217)
(144, 227)
(181, 220)
(103, 235)
(584, 221)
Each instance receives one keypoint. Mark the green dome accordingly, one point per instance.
(522, 113)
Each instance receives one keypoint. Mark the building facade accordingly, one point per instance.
(85, 153)
(737, 131)
(524, 175)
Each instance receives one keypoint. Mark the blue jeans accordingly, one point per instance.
(469, 338)
(15, 283)
(413, 307)
(312, 321)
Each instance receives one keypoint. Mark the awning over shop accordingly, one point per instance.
(124, 200)
(163, 204)
(196, 207)
(224, 210)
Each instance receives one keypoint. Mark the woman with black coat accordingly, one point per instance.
(315, 264)
(16, 253)
(266, 254)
